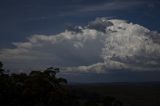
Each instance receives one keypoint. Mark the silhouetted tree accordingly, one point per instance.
(1, 68)
(43, 88)
(35, 89)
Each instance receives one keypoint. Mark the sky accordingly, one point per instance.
(90, 40)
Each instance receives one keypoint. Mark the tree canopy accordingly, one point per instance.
(42, 88)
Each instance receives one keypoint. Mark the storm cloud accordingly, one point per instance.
(101, 46)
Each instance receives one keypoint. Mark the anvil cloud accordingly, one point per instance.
(101, 46)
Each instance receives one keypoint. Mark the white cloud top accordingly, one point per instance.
(102, 45)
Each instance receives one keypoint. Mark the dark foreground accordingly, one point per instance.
(130, 94)
(44, 88)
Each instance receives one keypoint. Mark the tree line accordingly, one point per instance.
(44, 88)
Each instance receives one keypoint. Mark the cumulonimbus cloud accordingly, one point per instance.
(101, 46)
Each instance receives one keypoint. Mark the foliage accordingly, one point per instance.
(41, 89)
(36, 89)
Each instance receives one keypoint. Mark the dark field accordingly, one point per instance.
(130, 94)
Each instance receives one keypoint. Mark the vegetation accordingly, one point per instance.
(44, 89)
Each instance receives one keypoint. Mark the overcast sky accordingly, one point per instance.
(91, 40)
